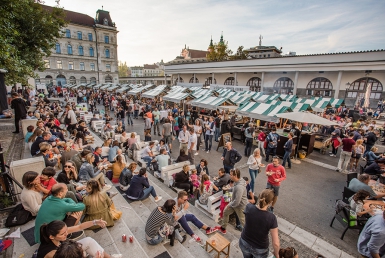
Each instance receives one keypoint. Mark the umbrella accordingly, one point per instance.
(306, 117)
(367, 95)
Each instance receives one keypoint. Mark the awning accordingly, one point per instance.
(335, 102)
(139, 89)
(201, 92)
(321, 105)
(105, 86)
(176, 97)
(154, 92)
(257, 111)
(212, 102)
(263, 98)
(112, 88)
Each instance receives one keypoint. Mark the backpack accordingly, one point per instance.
(18, 216)
(128, 172)
(272, 143)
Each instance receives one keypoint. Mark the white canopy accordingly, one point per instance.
(306, 117)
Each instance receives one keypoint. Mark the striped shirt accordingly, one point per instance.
(155, 221)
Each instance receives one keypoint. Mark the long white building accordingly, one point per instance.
(86, 53)
(338, 75)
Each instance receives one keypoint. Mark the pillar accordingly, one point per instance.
(235, 79)
(338, 85)
(194, 78)
(178, 78)
(295, 83)
(262, 81)
(212, 79)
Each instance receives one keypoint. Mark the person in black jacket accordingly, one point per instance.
(20, 107)
(182, 180)
(230, 156)
(202, 167)
(140, 188)
(370, 139)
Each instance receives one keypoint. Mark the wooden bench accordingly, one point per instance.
(212, 207)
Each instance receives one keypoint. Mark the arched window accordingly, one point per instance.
(48, 78)
(91, 51)
(107, 52)
(83, 79)
(319, 87)
(255, 84)
(93, 79)
(230, 81)
(283, 85)
(61, 80)
(209, 81)
(192, 80)
(180, 80)
(108, 79)
(58, 50)
(72, 80)
(69, 49)
(81, 52)
(357, 89)
(68, 33)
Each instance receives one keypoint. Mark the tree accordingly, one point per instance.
(27, 34)
(240, 54)
(123, 69)
(219, 52)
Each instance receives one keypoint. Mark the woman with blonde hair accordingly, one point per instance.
(38, 132)
(97, 205)
(259, 220)
(117, 168)
(357, 151)
(87, 172)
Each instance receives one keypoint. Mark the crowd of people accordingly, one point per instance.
(80, 189)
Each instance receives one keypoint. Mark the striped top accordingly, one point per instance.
(156, 220)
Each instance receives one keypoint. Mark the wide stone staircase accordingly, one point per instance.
(133, 222)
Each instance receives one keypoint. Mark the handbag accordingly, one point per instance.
(18, 216)
(116, 214)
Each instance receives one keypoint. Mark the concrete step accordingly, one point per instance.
(232, 234)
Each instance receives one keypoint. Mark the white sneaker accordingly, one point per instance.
(196, 153)
(159, 198)
(207, 151)
(157, 175)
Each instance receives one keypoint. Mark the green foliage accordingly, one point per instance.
(240, 54)
(219, 52)
(27, 34)
(123, 69)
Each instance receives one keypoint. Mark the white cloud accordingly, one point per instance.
(152, 30)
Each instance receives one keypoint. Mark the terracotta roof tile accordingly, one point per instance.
(74, 17)
(197, 53)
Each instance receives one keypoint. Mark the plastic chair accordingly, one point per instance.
(350, 176)
(346, 194)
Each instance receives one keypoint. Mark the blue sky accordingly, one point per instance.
(152, 30)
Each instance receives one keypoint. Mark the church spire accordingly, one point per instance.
(221, 40)
(211, 41)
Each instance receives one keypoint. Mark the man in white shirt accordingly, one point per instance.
(192, 145)
(147, 154)
(156, 117)
(183, 139)
(162, 160)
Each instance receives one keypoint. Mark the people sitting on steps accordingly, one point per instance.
(140, 188)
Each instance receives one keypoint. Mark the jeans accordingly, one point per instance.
(261, 148)
(156, 240)
(189, 217)
(217, 133)
(147, 193)
(286, 156)
(367, 149)
(129, 119)
(227, 168)
(269, 151)
(253, 174)
(249, 145)
(156, 126)
(188, 187)
(148, 159)
(344, 160)
(136, 112)
(251, 252)
(334, 150)
(208, 142)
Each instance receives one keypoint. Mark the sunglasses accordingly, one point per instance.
(66, 166)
